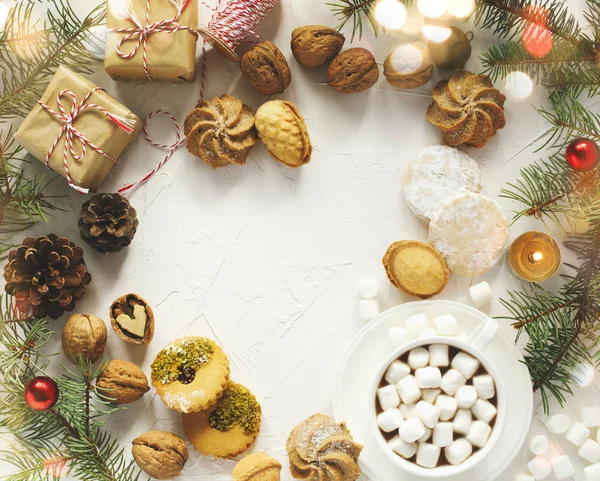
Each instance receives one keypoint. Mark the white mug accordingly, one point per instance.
(475, 346)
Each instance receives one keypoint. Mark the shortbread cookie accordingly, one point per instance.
(190, 374)
(416, 268)
(257, 467)
(322, 450)
(471, 232)
(229, 427)
(438, 174)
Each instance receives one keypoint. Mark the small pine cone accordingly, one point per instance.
(46, 276)
(108, 222)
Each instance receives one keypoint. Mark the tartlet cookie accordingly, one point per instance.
(229, 427)
(190, 374)
(438, 174)
(470, 232)
(257, 467)
(416, 268)
(322, 450)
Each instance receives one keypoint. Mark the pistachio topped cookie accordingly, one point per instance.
(229, 427)
(190, 374)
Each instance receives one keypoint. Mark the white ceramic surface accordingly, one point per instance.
(353, 398)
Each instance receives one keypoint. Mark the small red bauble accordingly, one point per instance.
(583, 154)
(41, 393)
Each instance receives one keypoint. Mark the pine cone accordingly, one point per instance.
(467, 109)
(46, 276)
(108, 222)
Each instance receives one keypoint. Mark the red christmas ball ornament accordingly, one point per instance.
(41, 393)
(583, 154)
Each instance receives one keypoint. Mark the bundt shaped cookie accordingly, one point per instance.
(467, 109)
(322, 450)
(220, 131)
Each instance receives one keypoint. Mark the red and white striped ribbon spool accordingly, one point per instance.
(140, 33)
(70, 132)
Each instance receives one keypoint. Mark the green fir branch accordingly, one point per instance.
(574, 81)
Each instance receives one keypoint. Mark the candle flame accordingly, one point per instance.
(537, 256)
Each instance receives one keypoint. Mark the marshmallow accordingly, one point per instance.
(524, 477)
(458, 451)
(592, 472)
(558, 424)
(411, 430)
(438, 355)
(406, 450)
(590, 451)
(465, 397)
(462, 421)
(390, 420)
(538, 444)
(427, 333)
(452, 380)
(577, 434)
(443, 434)
(397, 336)
(397, 371)
(367, 289)
(430, 395)
(539, 468)
(484, 410)
(428, 377)
(416, 325)
(409, 410)
(409, 390)
(426, 436)
(562, 467)
(485, 387)
(428, 455)
(368, 309)
(446, 325)
(598, 436)
(479, 433)
(428, 414)
(481, 294)
(465, 364)
(590, 416)
(446, 405)
(418, 357)
(388, 397)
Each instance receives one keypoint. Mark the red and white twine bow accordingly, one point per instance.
(70, 132)
(140, 33)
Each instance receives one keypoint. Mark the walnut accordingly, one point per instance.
(161, 455)
(132, 319)
(408, 67)
(352, 71)
(84, 335)
(265, 67)
(123, 382)
(315, 45)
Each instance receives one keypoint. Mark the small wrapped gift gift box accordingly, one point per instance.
(78, 130)
(151, 40)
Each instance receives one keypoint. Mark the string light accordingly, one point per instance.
(435, 33)
(518, 85)
(3, 14)
(390, 14)
(460, 8)
(432, 8)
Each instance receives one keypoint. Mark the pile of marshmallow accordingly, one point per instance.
(577, 433)
(436, 404)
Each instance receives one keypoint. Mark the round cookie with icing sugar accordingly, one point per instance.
(470, 232)
(438, 174)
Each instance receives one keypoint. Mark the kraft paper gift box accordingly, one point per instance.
(170, 56)
(40, 131)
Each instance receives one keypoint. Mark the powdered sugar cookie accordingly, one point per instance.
(190, 374)
(470, 232)
(438, 174)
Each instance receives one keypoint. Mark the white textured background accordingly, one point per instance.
(266, 259)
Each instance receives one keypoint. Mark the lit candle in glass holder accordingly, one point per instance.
(534, 256)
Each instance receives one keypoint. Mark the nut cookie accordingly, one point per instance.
(229, 427)
(190, 374)
(257, 467)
